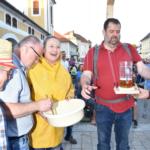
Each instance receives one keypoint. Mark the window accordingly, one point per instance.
(35, 7)
(14, 22)
(42, 37)
(32, 31)
(29, 30)
(8, 19)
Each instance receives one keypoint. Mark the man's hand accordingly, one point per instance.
(86, 91)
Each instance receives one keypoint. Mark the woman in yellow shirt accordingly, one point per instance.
(49, 79)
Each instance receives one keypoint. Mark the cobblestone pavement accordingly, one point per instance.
(86, 134)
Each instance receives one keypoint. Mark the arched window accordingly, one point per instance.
(35, 7)
(14, 22)
(8, 19)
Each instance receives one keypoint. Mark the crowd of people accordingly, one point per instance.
(31, 75)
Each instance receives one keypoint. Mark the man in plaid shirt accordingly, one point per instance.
(6, 66)
(3, 141)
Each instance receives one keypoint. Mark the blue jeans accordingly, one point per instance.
(18, 143)
(105, 118)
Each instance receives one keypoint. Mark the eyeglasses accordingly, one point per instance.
(36, 52)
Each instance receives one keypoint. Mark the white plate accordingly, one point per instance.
(120, 90)
(68, 112)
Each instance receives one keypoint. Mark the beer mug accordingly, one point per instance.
(126, 74)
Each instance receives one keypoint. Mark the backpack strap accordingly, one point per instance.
(95, 59)
(96, 53)
(127, 49)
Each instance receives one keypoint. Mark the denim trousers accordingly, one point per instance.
(18, 143)
(105, 119)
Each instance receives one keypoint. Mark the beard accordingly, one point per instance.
(114, 40)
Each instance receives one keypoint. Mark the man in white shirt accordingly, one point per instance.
(64, 62)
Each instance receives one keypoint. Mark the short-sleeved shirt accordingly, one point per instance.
(108, 74)
(17, 91)
(3, 139)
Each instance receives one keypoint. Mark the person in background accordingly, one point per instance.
(135, 114)
(68, 136)
(18, 105)
(144, 93)
(64, 61)
(73, 72)
(78, 85)
(6, 67)
(111, 109)
(46, 79)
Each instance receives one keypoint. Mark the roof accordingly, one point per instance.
(62, 38)
(11, 7)
(78, 36)
(146, 37)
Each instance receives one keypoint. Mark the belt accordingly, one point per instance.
(113, 101)
(16, 137)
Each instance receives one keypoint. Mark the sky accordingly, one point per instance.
(86, 17)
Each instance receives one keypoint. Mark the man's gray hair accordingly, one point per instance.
(28, 39)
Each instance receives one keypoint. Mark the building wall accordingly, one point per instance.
(39, 19)
(44, 17)
(145, 44)
(82, 49)
(15, 34)
(69, 48)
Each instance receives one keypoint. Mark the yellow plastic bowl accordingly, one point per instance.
(66, 113)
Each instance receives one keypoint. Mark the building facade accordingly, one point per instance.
(14, 25)
(145, 46)
(68, 46)
(82, 43)
(41, 12)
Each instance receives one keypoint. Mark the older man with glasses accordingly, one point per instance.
(16, 95)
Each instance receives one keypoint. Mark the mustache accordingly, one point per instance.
(114, 37)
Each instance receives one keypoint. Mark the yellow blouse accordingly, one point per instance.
(52, 81)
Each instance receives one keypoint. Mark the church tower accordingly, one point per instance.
(41, 12)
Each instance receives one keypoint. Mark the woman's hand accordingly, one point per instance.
(143, 94)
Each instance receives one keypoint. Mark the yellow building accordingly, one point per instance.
(41, 12)
(14, 25)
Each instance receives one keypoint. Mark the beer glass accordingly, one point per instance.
(126, 74)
